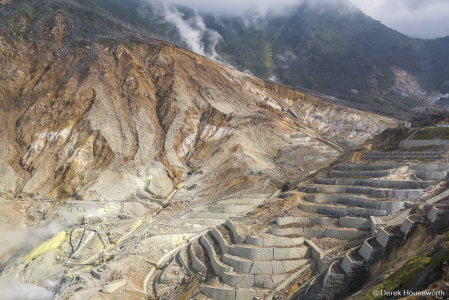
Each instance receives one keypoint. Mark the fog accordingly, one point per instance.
(415, 18)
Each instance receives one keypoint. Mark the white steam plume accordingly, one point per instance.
(193, 31)
(15, 290)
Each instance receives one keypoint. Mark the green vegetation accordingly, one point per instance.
(446, 237)
(56, 5)
(407, 275)
(14, 30)
(111, 41)
(268, 58)
(108, 41)
(126, 45)
(399, 138)
(26, 11)
(432, 133)
(79, 43)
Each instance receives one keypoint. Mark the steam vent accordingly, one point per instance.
(155, 151)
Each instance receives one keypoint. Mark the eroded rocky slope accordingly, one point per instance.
(111, 130)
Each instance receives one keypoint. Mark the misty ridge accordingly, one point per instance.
(189, 19)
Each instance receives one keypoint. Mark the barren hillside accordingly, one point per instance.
(124, 135)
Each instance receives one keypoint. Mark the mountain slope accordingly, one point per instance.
(116, 101)
(333, 49)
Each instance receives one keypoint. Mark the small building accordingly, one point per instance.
(404, 124)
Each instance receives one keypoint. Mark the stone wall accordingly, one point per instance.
(274, 242)
(237, 237)
(430, 167)
(375, 174)
(197, 265)
(312, 208)
(367, 167)
(372, 192)
(342, 234)
(361, 223)
(377, 183)
(301, 220)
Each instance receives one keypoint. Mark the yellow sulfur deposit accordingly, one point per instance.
(51, 244)
(137, 224)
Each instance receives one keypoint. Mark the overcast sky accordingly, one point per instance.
(415, 18)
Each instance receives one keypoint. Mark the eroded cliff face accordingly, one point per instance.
(152, 111)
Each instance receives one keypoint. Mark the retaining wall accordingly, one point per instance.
(373, 223)
(431, 175)
(346, 263)
(420, 143)
(219, 268)
(312, 208)
(197, 265)
(361, 223)
(402, 184)
(237, 237)
(372, 192)
(438, 197)
(365, 250)
(312, 232)
(378, 166)
(274, 242)
(301, 220)
(389, 206)
(407, 225)
(231, 294)
(375, 174)
(232, 209)
(432, 215)
(382, 237)
(270, 253)
(225, 248)
(430, 167)
(257, 267)
(399, 219)
(317, 254)
(328, 274)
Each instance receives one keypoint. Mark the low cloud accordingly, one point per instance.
(415, 18)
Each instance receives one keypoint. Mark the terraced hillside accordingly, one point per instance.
(132, 168)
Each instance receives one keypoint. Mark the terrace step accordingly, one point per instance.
(341, 210)
(207, 215)
(243, 265)
(228, 293)
(242, 280)
(197, 257)
(375, 174)
(204, 222)
(189, 228)
(270, 253)
(377, 183)
(342, 234)
(236, 209)
(241, 201)
(368, 191)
